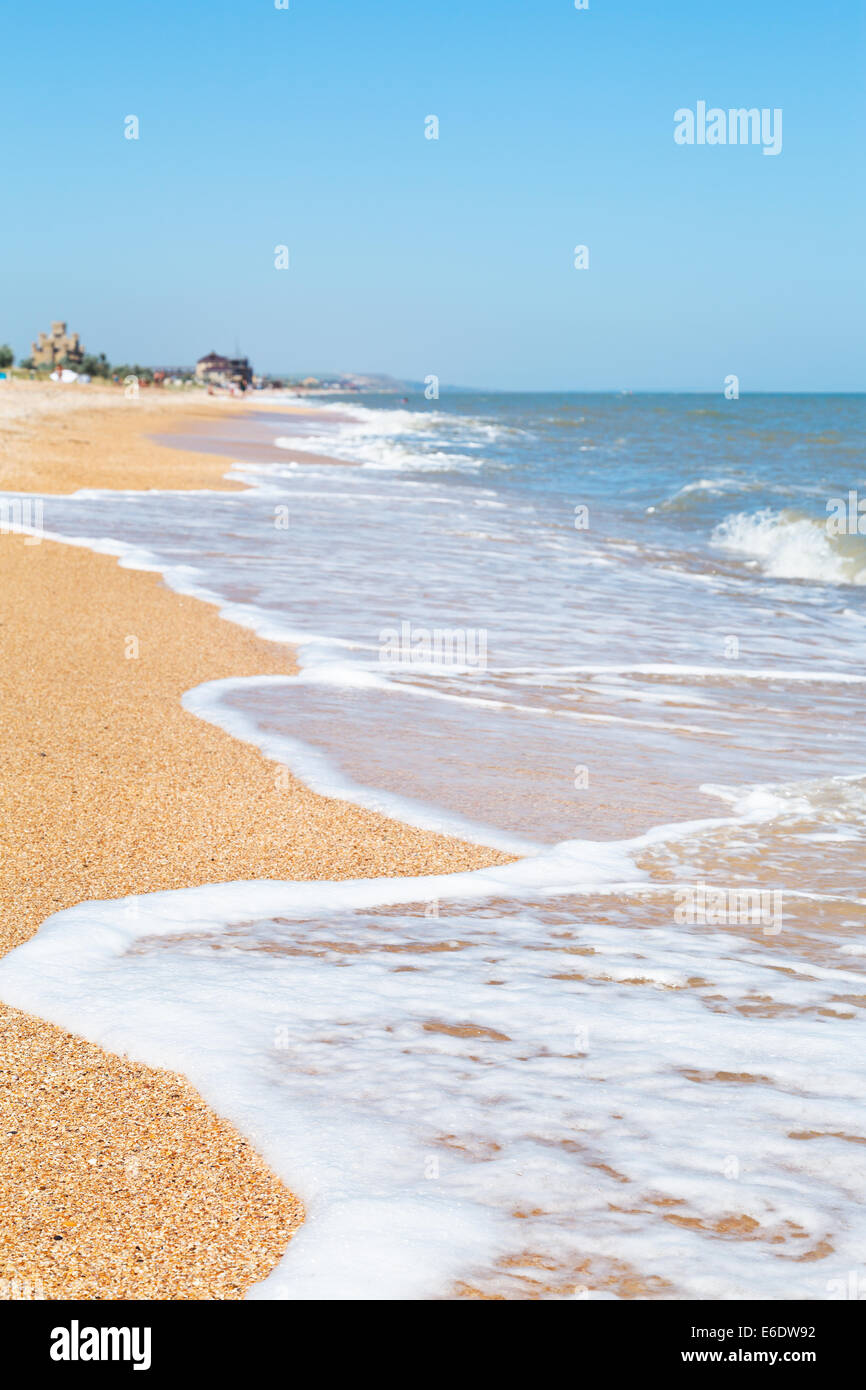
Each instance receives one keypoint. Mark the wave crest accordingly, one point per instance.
(789, 545)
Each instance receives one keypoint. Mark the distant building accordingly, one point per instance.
(58, 346)
(212, 368)
(215, 370)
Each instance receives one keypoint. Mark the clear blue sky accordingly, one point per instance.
(306, 127)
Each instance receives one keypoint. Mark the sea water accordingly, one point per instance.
(613, 635)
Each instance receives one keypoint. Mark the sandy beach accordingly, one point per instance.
(118, 1182)
(57, 439)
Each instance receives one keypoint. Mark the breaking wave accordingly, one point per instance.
(789, 545)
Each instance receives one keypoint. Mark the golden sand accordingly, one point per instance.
(56, 438)
(117, 1181)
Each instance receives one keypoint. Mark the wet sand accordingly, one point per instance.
(246, 436)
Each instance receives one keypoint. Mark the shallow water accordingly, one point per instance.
(552, 1080)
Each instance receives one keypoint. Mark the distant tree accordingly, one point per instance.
(27, 363)
(7, 356)
(125, 369)
(92, 365)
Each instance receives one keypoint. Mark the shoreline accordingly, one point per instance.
(57, 439)
(119, 1181)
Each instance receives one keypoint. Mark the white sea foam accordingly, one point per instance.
(419, 1076)
(398, 439)
(787, 546)
(679, 671)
